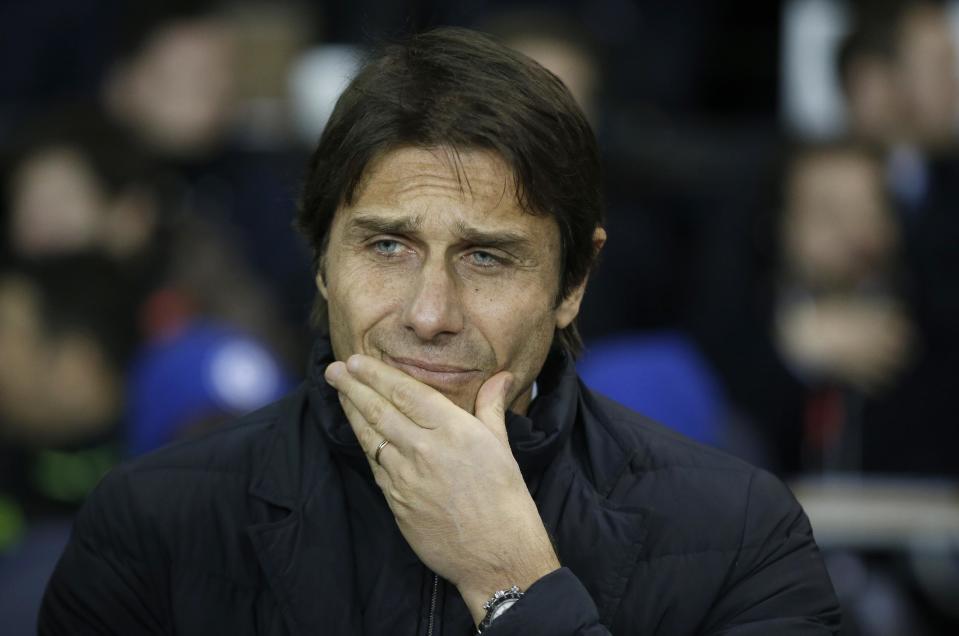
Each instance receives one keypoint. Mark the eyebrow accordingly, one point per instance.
(503, 239)
(381, 225)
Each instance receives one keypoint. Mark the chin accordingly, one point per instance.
(464, 398)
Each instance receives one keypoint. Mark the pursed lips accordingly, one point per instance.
(437, 375)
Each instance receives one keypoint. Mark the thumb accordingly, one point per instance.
(491, 402)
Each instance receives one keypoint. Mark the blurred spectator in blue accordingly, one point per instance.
(196, 379)
(660, 375)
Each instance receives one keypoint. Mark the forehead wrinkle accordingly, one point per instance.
(468, 189)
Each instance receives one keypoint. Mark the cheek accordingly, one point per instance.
(359, 296)
(515, 319)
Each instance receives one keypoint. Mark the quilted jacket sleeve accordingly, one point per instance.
(101, 585)
(778, 584)
(555, 605)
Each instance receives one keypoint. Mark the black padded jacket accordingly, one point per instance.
(274, 525)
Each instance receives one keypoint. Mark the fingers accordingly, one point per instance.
(420, 403)
(372, 417)
(369, 441)
(491, 402)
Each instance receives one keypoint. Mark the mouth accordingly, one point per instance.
(442, 377)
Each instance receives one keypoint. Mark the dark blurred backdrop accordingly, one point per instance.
(781, 278)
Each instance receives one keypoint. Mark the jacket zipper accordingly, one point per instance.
(429, 624)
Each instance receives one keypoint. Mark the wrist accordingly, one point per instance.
(477, 590)
(499, 604)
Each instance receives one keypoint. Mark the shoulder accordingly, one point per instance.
(701, 495)
(203, 478)
(229, 449)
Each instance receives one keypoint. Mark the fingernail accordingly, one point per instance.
(333, 371)
(353, 362)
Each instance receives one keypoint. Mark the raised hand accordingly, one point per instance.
(448, 476)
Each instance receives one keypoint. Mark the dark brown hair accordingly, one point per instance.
(459, 89)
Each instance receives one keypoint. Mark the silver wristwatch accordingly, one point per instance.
(497, 605)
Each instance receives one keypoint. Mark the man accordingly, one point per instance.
(442, 467)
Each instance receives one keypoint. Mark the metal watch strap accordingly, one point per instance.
(501, 601)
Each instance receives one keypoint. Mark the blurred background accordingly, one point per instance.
(781, 278)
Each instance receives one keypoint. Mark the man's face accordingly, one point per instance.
(445, 278)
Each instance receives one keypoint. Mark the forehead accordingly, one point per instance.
(444, 185)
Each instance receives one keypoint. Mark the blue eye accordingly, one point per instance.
(484, 259)
(386, 247)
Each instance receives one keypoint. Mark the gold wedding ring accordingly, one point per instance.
(379, 449)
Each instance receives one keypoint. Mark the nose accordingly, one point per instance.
(434, 306)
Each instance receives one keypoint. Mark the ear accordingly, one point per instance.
(320, 282)
(569, 308)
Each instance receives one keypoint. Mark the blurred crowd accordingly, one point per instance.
(789, 297)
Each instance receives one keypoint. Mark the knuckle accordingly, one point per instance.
(401, 481)
(370, 440)
(375, 412)
(421, 450)
(404, 395)
(395, 490)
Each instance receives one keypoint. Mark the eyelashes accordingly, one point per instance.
(393, 248)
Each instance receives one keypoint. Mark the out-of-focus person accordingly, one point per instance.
(175, 88)
(174, 80)
(926, 68)
(838, 314)
(902, 63)
(66, 334)
(76, 182)
(818, 324)
(195, 380)
(900, 79)
(898, 70)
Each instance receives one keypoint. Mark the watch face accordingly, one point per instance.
(500, 609)
(497, 606)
